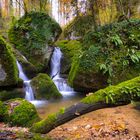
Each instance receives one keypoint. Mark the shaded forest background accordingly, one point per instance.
(101, 11)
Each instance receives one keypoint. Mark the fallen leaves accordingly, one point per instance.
(11, 133)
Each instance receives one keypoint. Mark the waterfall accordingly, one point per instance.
(60, 82)
(27, 86)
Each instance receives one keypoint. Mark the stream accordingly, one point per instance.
(45, 107)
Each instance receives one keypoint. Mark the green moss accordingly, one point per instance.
(122, 93)
(71, 49)
(44, 87)
(3, 112)
(47, 124)
(73, 70)
(32, 33)
(110, 53)
(11, 94)
(21, 113)
(8, 64)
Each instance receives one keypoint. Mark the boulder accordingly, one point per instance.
(112, 55)
(21, 113)
(8, 67)
(44, 88)
(32, 35)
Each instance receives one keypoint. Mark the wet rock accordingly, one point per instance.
(33, 41)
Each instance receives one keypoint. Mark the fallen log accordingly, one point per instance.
(120, 94)
(70, 113)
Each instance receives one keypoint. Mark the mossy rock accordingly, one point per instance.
(8, 67)
(11, 94)
(3, 112)
(44, 87)
(110, 53)
(32, 34)
(21, 113)
(70, 50)
(122, 93)
(29, 69)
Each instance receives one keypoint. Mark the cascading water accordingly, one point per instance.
(60, 82)
(27, 86)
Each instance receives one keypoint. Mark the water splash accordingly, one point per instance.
(60, 82)
(27, 86)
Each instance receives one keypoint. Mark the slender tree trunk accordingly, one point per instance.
(91, 5)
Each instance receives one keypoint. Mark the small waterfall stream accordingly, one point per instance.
(45, 107)
(60, 82)
(27, 86)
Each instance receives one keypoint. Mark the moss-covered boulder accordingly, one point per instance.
(8, 67)
(44, 87)
(70, 50)
(21, 112)
(3, 112)
(112, 55)
(32, 34)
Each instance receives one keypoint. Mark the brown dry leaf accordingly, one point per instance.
(97, 127)
(121, 127)
(77, 136)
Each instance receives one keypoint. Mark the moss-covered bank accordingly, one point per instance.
(32, 34)
(44, 88)
(111, 52)
(8, 67)
(122, 93)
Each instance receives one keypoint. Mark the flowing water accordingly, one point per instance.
(60, 82)
(70, 97)
(45, 107)
(27, 86)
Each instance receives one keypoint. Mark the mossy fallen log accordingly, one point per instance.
(120, 94)
(63, 116)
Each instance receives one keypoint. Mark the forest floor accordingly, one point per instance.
(117, 123)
